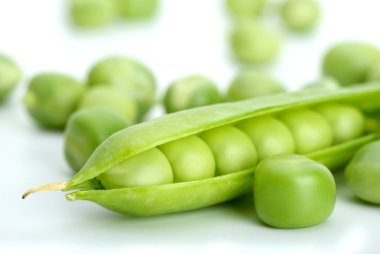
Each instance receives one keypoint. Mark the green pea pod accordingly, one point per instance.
(175, 197)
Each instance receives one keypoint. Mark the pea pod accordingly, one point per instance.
(175, 197)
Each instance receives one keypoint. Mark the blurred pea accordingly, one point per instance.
(137, 9)
(92, 13)
(10, 76)
(300, 15)
(245, 8)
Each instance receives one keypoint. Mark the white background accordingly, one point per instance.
(187, 37)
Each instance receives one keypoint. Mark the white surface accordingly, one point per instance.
(187, 37)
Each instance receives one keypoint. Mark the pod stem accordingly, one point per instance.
(52, 186)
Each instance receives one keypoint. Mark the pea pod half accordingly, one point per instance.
(175, 197)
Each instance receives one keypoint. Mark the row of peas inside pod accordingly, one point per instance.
(253, 40)
(90, 14)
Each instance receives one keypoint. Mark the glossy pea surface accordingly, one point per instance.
(270, 136)
(310, 130)
(91, 13)
(190, 92)
(10, 76)
(85, 131)
(292, 191)
(145, 169)
(190, 158)
(362, 174)
(233, 150)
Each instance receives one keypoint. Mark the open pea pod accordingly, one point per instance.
(175, 197)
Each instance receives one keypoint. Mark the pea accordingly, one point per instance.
(350, 62)
(346, 121)
(147, 168)
(270, 136)
(292, 191)
(232, 149)
(128, 74)
(91, 13)
(84, 132)
(374, 73)
(325, 83)
(112, 98)
(137, 9)
(51, 98)
(250, 83)
(362, 174)
(190, 158)
(245, 8)
(10, 76)
(310, 130)
(300, 15)
(191, 92)
(253, 42)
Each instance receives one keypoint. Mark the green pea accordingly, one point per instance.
(346, 121)
(92, 13)
(250, 83)
(112, 98)
(129, 74)
(233, 150)
(137, 9)
(350, 62)
(51, 98)
(254, 42)
(84, 132)
(245, 8)
(374, 73)
(300, 15)
(191, 92)
(311, 131)
(190, 158)
(325, 83)
(362, 174)
(270, 136)
(10, 76)
(292, 191)
(147, 168)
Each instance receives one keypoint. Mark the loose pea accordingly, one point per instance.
(190, 158)
(350, 62)
(131, 75)
(51, 98)
(292, 191)
(92, 13)
(254, 42)
(300, 15)
(84, 132)
(310, 130)
(245, 8)
(190, 92)
(137, 9)
(10, 76)
(112, 98)
(362, 174)
(250, 83)
(270, 136)
(347, 122)
(144, 169)
(325, 83)
(232, 149)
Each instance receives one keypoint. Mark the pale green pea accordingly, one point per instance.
(270, 136)
(362, 174)
(310, 130)
(246, 8)
(325, 83)
(350, 62)
(250, 83)
(346, 121)
(300, 15)
(92, 13)
(128, 74)
(190, 92)
(253, 42)
(148, 168)
(233, 150)
(190, 158)
(10, 76)
(137, 9)
(85, 130)
(51, 98)
(112, 98)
